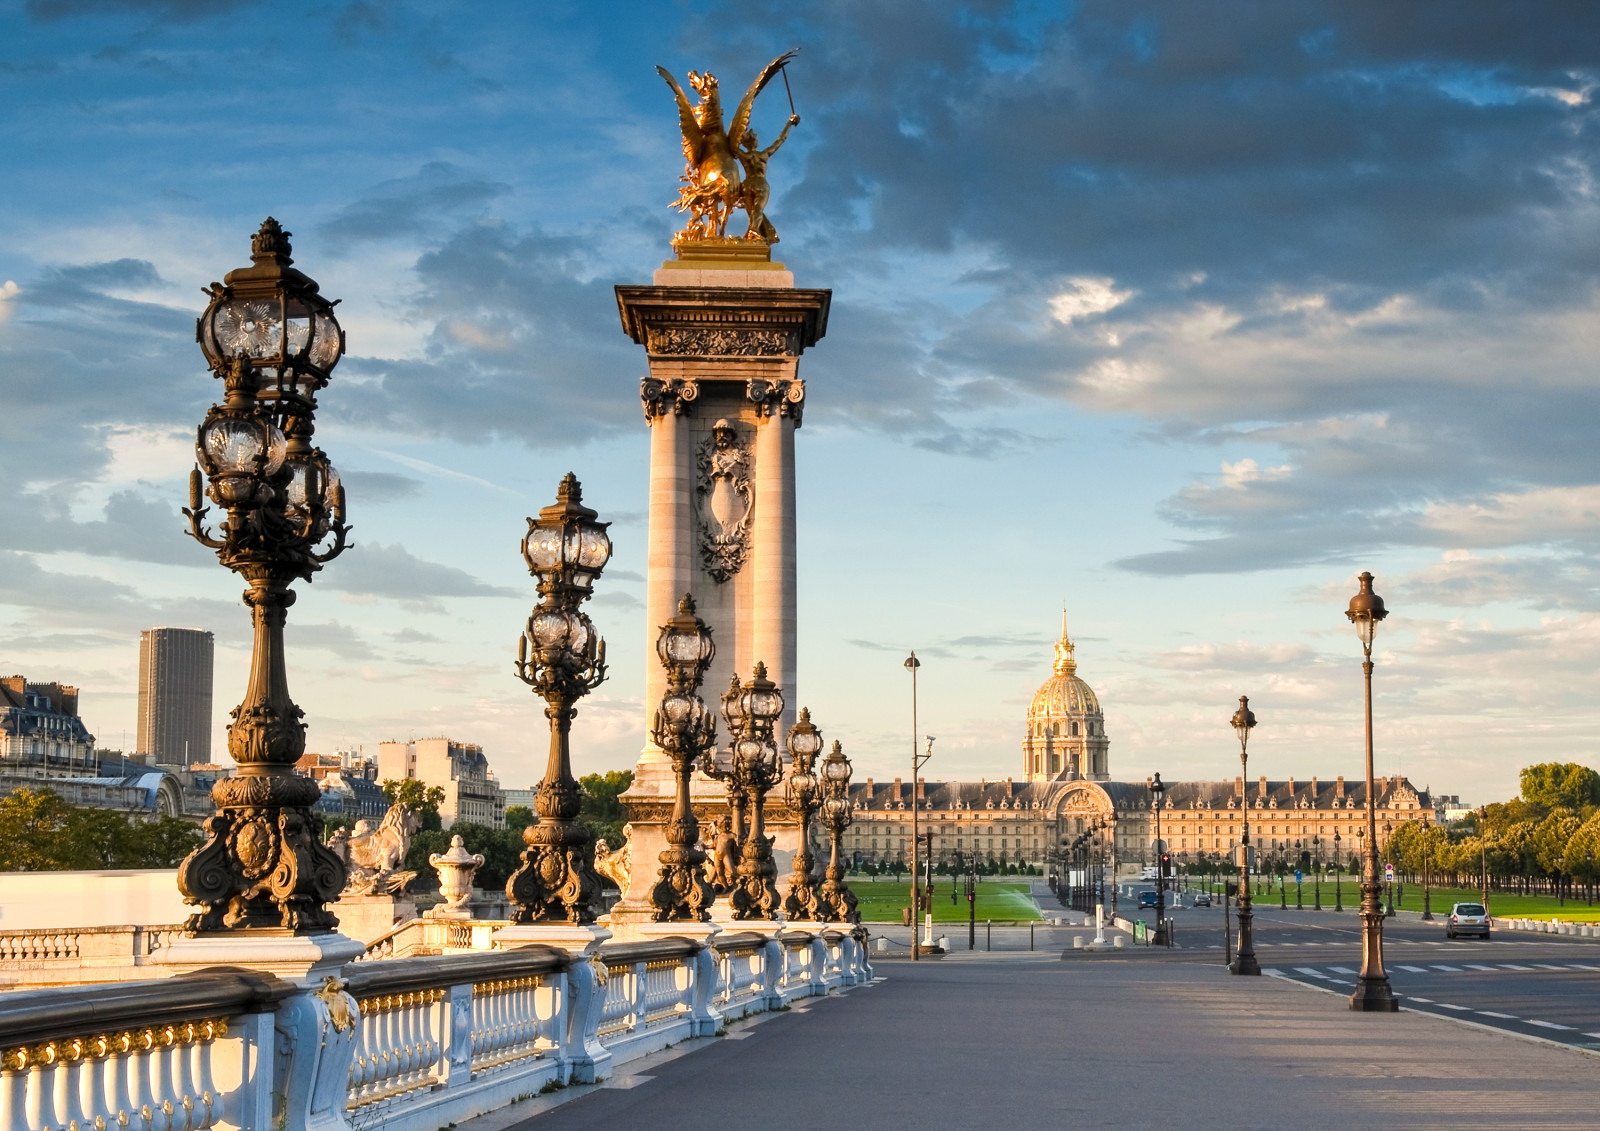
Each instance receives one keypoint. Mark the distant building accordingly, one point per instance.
(459, 768)
(40, 729)
(522, 797)
(352, 795)
(175, 666)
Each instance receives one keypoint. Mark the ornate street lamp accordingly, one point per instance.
(685, 730)
(560, 656)
(273, 340)
(1157, 791)
(1299, 860)
(1427, 875)
(1316, 852)
(757, 767)
(836, 902)
(1244, 962)
(1372, 992)
(804, 793)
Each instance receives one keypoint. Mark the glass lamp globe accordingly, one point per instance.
(565, 546)
(685, 645)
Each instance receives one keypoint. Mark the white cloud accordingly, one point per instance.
(1237, 475)
(1512, 518)
(1084, 297)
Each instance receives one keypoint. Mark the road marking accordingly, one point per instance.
(1459, 1008)
(1475, 966)
(1276, 973)
(1423, 1000)
(1502, 1016)
(1548, 1025)
(1413, 969)
(1452, 969)
(1592, 1034)
(1547, 966)
(1312, 973)
(1513, 966)
(1341, 970)
(1581, 966)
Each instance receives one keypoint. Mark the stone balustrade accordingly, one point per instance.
(51, 956)
(408, 1044)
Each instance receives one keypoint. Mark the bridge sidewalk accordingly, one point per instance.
(985, 1040)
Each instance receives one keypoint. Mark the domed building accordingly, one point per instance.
(1066, 737)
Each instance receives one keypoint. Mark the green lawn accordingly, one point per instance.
(998, 900)
(1503, 905)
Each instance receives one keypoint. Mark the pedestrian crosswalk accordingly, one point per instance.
(1440, 968)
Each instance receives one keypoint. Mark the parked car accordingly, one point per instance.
(1467, 919)
(1202, 899)
(1147, 899)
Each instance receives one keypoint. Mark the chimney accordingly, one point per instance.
(1263, 785)
(1338, 789)
(898, 795)
(1383, 785)
(1291, 787)
(1238, 785)
(920, 786)
(869, 789)
(1313, 789)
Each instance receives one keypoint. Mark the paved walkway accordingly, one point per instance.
(1018, 1039)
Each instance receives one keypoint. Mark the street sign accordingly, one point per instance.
(1388, 873)
(1297, 875)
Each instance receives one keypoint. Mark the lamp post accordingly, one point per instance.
(1427, 874)
(972, 902)
(1316, 852)
(1299, 862)
(757, 767)
(1388, 884)
(560, 656)
(1244, 720)
(911, 665)
(1338, 879)
(1157, 792)
(804, 793)
(836, 902)
(273, 340)
(1483, 857)
(685, 730)
(1372, 992)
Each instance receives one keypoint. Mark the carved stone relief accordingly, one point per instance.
(713, 341)
(786, 396)
(663, 395)
(724, 500)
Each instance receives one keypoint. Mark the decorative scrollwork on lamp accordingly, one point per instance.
(560, 656)
(804, 793)
(686, 730)
(273, 341)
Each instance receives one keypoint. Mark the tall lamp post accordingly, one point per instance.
(1316, 857)
(911, 665)
(1388, 884)
(1244, 720)
(836, 901)
(1483, 857)
(804, 793)
(1372, 993)
(1299, 862)
(1157, 792)
(757, 767)
(685, 730)
(1338, 875)
(273, 340)
(560, 656)
(1427, 874)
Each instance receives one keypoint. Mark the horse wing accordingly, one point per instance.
(741, 116)
(693, 140)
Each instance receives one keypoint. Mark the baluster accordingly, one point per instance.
(70, 1087)
(200, 1057)
(185, 1095)
(141, 1084)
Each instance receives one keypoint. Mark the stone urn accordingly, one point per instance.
(456, 869)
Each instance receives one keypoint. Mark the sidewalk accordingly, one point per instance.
(984, 1040)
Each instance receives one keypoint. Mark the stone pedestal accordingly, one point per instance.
(303, 959)
(699, 932)
(367, 917)
(723, 328)
(577, 940)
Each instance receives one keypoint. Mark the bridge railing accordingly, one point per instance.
(408, 1044)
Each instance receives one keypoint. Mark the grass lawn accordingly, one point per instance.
(1503, 905)
(998, 900)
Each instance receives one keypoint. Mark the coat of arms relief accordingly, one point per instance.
(725, 499)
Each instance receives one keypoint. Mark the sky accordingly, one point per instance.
(1175, 315)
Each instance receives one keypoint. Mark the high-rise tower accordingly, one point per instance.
(175, 667)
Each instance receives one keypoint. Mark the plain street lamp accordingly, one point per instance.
(1338, 876)
(1427, 874)
(911, 665)
(1372, 992)
(1244, 720)
(685, 730)
(273, 340)
(1388, 884)
(560, 656)
(1157, 792)
(1299, 862)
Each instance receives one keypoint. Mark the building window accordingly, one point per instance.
(1074, 730)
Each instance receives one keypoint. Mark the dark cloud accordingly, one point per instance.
(379, 486)
(404, 207)
(373, 569)
(178, 10)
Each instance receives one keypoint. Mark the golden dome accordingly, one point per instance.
(1063, 694)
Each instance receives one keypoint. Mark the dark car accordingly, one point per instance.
(1467, 919)
(1202, 899)
(1147, 899)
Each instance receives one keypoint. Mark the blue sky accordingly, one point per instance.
(1179, 314)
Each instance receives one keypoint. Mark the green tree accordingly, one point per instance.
(33, 832)
(164, 842)
(519, 817)
(102, 838)
(424, 799)
(1561, 785)
(603, 813)
(1581, 857)
(1549, 841)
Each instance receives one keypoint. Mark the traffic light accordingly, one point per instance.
(1166, 863)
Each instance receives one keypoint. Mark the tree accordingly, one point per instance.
(519, 817)
(423, 799)
(33, 832)
(41, 832)
(602, 813)
(1581, 858)
(1561, 785)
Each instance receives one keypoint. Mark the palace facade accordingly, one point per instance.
(1065, 788)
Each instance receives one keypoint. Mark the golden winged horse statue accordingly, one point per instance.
(713, 184)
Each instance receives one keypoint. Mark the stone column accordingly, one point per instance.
(774, 553)
(671, 537)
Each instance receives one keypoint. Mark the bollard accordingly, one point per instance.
(883, 945)
(1118, 941)
(988, 934)
(944, 943)
(1077, 942)
(1030, 937)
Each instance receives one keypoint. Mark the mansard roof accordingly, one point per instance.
(1289, 795)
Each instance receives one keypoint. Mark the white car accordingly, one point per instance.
(1467, 919)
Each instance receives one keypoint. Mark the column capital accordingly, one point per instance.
(785, 396)
(661, 395)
